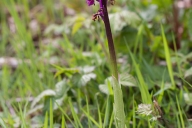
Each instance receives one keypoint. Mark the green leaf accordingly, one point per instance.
(43, 94)
(77, 25)
(66, 71)
(87, 69)
(123, 18)
(107, 87)
(187, 98)
(104, 89)
(61, 88)
(128, 80)
(168, 57)
(84, 76)
(118, 105)
(46, 121)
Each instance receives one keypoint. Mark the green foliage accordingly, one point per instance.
(118, 105)
(54, 70)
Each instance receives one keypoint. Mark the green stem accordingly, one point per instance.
(118, 96)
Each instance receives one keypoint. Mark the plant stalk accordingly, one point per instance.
(118, 96)
(110, 41)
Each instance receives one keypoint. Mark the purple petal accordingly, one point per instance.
(90, 2)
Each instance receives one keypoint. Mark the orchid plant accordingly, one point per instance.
(118, 108)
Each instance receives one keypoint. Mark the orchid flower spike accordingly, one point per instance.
(99, 13)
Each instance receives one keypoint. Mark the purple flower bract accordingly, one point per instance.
(90, 2)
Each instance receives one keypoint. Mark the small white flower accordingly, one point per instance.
(145, 109)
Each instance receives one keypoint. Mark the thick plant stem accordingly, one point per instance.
(118, 96)
(110, 41)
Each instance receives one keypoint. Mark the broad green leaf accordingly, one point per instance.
(87, 69)
(43, 94)
(104, 89)
(127, 80)
(123, 18)
(119, 114)
(86, 78)
(61, 88)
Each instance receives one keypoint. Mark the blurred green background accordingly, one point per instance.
(54, 50)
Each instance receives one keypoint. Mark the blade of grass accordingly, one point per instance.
(87, 106)
(46, 121)
(167, 57)
(63, 112)
(178, 121)
(51, 113)
(91, 118)
(107, 110)
(180, 114)
(111, 120)
(142, 86)
(99, 112)
(23, 34)
(76, 119)
(23, 122)
(134, 121)
(63, 122)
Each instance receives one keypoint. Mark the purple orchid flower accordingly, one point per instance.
(99, 13)
(91, 2)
